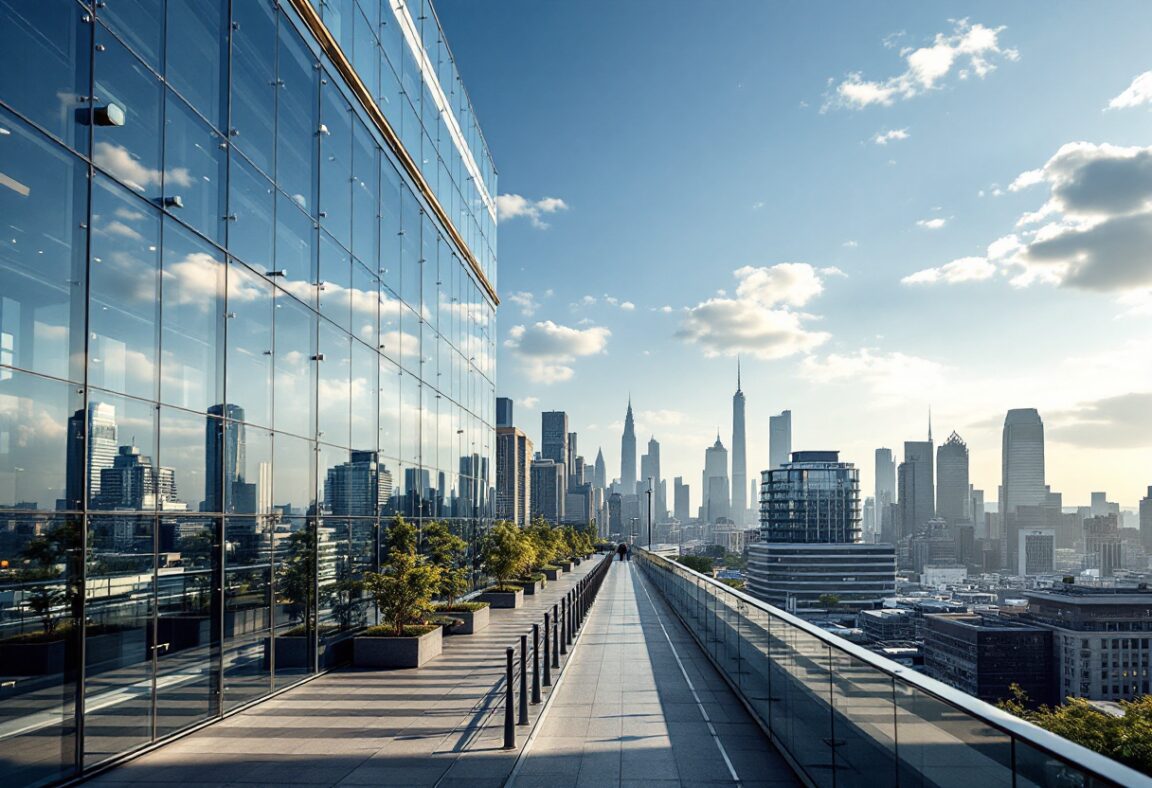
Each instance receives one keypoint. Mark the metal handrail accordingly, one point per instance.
(1089, 761)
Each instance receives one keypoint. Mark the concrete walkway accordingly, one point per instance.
(640, 704)
(438, 725)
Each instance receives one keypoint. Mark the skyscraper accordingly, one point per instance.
(885, 493)
(98, 449)
(952, 489)
(779, 439)
(1146, 521)
(513, 475)
(653, 471)
(601, 476)
(548, 494)
(1022, 461)
(681, 501)
(715, 483)
(360, 487)
(814, 498)
(739, 458)
(554, 437)
(504, 412)
(628, 454)
(225, 454)
(915, 488)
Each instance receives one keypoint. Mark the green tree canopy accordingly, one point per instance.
(509, 551)
(697, 563)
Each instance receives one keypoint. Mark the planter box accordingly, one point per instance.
(291, 652)
(531, 586)
(473, 621)
(553, 574)
(114, 650)
(565, 565)
(503, 599)
(34, 659)
(390, 652)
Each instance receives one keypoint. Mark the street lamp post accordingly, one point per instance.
(632, 531)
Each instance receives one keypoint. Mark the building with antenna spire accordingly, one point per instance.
(716, 502)
(628, 454)
(739, 457)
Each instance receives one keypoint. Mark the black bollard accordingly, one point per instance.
(535, 663)
(564, 625)
(509, 702)
(523, 680)
(555, 637)
(547, 652)
(571, 627)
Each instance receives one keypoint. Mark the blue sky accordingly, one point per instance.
(879, 207)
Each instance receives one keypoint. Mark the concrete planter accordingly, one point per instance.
(472, 621)
(565, 565)
(531, 586)
(553, 574)
(392, 652)
(34, 659)
(503, 599)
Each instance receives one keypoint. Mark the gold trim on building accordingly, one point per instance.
(312, 18)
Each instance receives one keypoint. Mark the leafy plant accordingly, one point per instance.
(697, 563)
(828, 600)
(509, 552)
(403, 591)
(43, 601)
(447, 551)
(296, 580)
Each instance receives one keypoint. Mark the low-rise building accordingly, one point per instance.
(795, 576)
(985, 655)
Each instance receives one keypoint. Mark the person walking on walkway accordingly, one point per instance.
(621, 550)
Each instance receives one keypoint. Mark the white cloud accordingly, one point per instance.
(1093, 233)
(892, 135)
(665, 309)
(1119, 422)
(547, 349)
(511, 206)
(969, 50)
(760, 319)
(850, 244)
(932, 224)
(627, 306)
(526, 301)
(757, 205)
(965, 269)
(528, 402)
(885, 374)
(1139, 92)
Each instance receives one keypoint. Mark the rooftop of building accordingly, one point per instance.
(984, 622)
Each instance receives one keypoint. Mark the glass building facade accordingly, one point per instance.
(247, 309)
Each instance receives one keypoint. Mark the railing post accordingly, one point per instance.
(523, 680)
(563, 625)
(547, 650)
(509, 702)
(535, 663)
(556, 636)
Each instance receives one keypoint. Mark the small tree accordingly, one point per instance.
(509, 552)
(296, 576)
(540, 533)
(43, 601)
(446, 551)
(829, 601)
(403, 591)
(697, 563)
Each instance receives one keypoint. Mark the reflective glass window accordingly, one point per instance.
(338, 18)
(365, 189)
(41, 443)
(195, 170)
(409, 419)
(429, 262)
(409, 341)
(297, 119)
(247, 469)
(182, 449)
(293, 474)
(130, 151)
(123, 288)
(366, 54)
(334, 394)
(365, 388)
(141, 24)
(45, 51)
(191, 301)
(335, 162)
(389, 442)
(254, 81)
(294, 388)
(295, 250)
(365, 297)
(335, 282)
(251, 231)
(197, 55)
(390, 227)
(294, 550)
(390, 336)
(121, 455)
(43, 197)
(410, 248)
(392, 42)
(249, 361)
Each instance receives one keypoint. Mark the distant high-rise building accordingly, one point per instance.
(360, 487)
(739, 456)
(225, 455)
(952, 488)
(615, 515)
(779, 439)
(917, 502)
(659, 506)
(1101, 506)
(601, 476)
(504, 412)
(1022, 461)
(548, 490)
(715, 482)
(885, 493)
(96, 450)
(573, 453)
(977, 508)
(814, 498)
(513, 475)
(681, 501)
(1146, 521)
(1102, 545)
(1036, 551)
(628, 454)
(133, 483)
(554, 438)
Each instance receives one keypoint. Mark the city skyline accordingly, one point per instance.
(588, 299)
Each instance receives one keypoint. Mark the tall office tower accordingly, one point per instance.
(1022, 461)
(548, 493)
(628, 454)
(1035, 551)
(779, 439)
(239, 145)
(917, 502)
(133, 483)
(1101, 506)
(885, 493)
(554, 438)
(504, 412)
(357, 488)
(1146, 521)
(681, 500)
(571, 459)
(600, 478)
(579, 472)
(1102, 545)
(739, 456)
(813, 498)
(659, 506)
(715, 483)
(952, 488)
(976, 506)
(868, 520)
(513, 475)
(615, 515)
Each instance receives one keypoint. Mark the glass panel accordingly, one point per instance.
(296, 250)
(365, 298)
(198, 56)
(293, 475)
(389, 409)
(295, 382)
(187, 640)
(410, 249)
(123, 285)
(863, 724)
(251, 231)
(297, 119)
(43, 196)
(45, 51)
(130, 150)
(183, 450)
(247, 590)
(247, 466)
(333, 393)
(409, 419)
(121, 595)
(41, 446)
(39, 648)
(122, 475)
(1038, 769)
(254, 81)
(250, 313)
(365, 186)
(390, 237)
(335, 163)
(295, 609)
(191, 286)
(195, 170)
(335, 282)
(364, 390)
(141, 24)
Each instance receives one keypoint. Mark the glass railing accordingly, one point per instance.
(844, 716)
